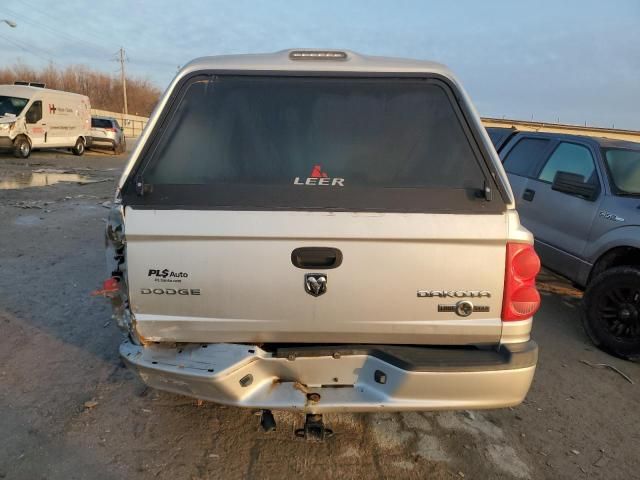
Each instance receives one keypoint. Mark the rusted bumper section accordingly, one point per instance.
(340, 378)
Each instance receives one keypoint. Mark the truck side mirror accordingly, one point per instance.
(574, 184)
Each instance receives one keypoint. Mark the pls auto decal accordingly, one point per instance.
(319, 178)
(167, 276)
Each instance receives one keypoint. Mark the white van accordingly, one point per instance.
(33, 117)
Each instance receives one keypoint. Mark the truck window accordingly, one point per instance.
(624, 169)
(34, 114)
(498, 135)
(572, 158)
(286, 142)
(523, 158)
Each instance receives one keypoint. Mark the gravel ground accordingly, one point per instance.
(68, 408)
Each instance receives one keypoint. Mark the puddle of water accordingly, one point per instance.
(24, 180)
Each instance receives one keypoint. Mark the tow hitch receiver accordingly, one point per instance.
(267, 422)
(314, 429)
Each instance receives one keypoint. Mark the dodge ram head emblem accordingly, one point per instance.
(315, 284)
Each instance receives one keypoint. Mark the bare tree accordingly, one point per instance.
(104, 91)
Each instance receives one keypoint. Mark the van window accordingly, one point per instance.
(287, 142)
(12, 105)
(34, 114)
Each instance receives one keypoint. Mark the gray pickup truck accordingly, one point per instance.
(580, 197)
(322, 231)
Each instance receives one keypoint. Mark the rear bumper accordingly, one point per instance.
(103, 141)
(357, 378)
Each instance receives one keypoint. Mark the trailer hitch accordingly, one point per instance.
(314, 429)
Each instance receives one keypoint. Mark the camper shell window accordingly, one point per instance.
(321, 143)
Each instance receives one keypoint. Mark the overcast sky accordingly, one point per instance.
(573, 60)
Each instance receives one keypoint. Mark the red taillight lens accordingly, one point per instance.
(521, 298)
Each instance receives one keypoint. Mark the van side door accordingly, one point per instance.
(36, 128)
(560, 221)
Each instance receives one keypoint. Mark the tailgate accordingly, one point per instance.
(220, 276)
(241, 170)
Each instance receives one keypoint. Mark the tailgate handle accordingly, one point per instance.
(316, 257)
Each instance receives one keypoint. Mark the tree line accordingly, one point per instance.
(104, 91)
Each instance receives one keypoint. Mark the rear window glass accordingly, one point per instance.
(525, 156)
(100, 123)
(312, 143)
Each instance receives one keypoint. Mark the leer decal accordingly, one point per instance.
(319, 178)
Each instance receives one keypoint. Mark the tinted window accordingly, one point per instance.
(260, 139)
(270, 131)
(523, 158)
(572, 158)
(497, 135)
(101, 123)
(34, 114)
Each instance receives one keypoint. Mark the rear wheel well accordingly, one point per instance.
(616, 257)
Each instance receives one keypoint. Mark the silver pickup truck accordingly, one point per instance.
(322, 231)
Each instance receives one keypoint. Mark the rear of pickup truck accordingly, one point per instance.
(322, 231)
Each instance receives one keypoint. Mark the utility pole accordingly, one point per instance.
(124, 80)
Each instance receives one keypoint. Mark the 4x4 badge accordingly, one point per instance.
(315, 284)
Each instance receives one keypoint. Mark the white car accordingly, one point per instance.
(107, 131)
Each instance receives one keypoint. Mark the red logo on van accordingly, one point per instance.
(52, 108)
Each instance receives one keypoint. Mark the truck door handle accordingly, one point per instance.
(316, 257)
(528, 194)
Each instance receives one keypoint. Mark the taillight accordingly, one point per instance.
(110, 129)
(521, 298)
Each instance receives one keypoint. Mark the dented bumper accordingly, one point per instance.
(341, 378)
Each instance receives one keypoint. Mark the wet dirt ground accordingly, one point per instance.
(69, 410)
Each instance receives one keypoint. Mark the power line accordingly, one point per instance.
(53, 31)
(27, 48)
(58, 34)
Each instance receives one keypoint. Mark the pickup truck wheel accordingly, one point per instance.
(78, 149)
(611, 315)
(21, 147)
